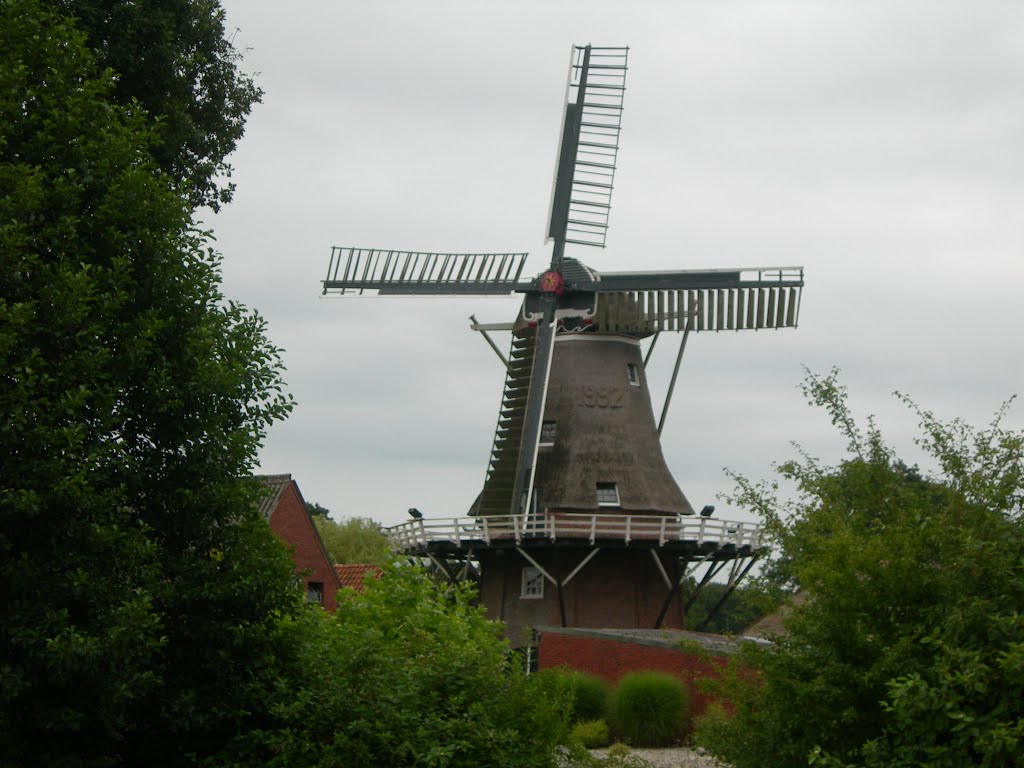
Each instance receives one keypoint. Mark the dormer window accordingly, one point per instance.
(633, 372)
(547, 432)
(607, 494)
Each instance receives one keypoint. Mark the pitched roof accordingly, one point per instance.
(275, 485)
(354, 574)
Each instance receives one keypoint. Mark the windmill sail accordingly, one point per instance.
(585, 170)
(721, 300)
(508, 436)
(390, 272)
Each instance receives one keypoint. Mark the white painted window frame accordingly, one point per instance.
(532, 586)
(612, 487)
(547, 443)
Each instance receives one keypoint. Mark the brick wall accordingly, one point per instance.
(292, 524)
(616, 588)
(610, 659)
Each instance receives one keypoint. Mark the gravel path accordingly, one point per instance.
(672, 757)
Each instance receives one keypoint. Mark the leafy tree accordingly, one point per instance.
(139, 591)
(742, 608)
(173, 58)
(317, 511)
(909, 648)
(407, 673)
(354, 540)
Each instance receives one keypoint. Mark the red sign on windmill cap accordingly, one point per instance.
(552, 282)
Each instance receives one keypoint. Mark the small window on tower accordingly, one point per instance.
(607, 495)
(634, 374)
(547, 432)
(533, 582)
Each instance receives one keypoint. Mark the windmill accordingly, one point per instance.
(577, 461)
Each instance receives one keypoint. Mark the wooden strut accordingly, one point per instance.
(549, 577)
(442, 567)
(558, 587)
(490, 341)
(679, 359)
(650, 349)
(728, 592)
(661, 568)
(677, 586)
(713, 570)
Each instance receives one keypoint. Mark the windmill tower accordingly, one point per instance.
(579, 521)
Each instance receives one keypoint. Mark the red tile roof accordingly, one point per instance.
(354, 575)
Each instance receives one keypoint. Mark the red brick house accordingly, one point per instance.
(285, 510)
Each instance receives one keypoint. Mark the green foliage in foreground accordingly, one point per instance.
(354, 540)
(910, 647)
(409, 673)
(590, 693)
(650, 709)
(591, 733)
(590, 696)
(147, 614)
(139, 590)
(711, 727)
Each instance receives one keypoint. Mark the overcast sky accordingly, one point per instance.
(878, 145)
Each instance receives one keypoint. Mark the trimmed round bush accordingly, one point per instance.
(590, 697)
(650, 709)
(591, 734)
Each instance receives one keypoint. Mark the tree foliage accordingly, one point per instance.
(173, 58)
(317, 511)
(742, 608)
(138, 588)
(910, 647)
(408, 673)
(354, 540)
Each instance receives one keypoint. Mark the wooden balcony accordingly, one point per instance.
(599, 529)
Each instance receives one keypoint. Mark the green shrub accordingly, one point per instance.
(409, 672)
(618, 749)
(590, 697)
(589, 693)
(591, 733)
(711, 729)
(650, 709)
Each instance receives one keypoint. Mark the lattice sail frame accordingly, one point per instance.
(390, 272)
(589, 146)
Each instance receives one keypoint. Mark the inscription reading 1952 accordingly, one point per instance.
(590, 396)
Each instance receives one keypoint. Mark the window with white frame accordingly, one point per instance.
(633, 371)
(533, 582)
(607, 494)
(547, 432)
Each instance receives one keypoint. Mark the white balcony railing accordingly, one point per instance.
(493, 529)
